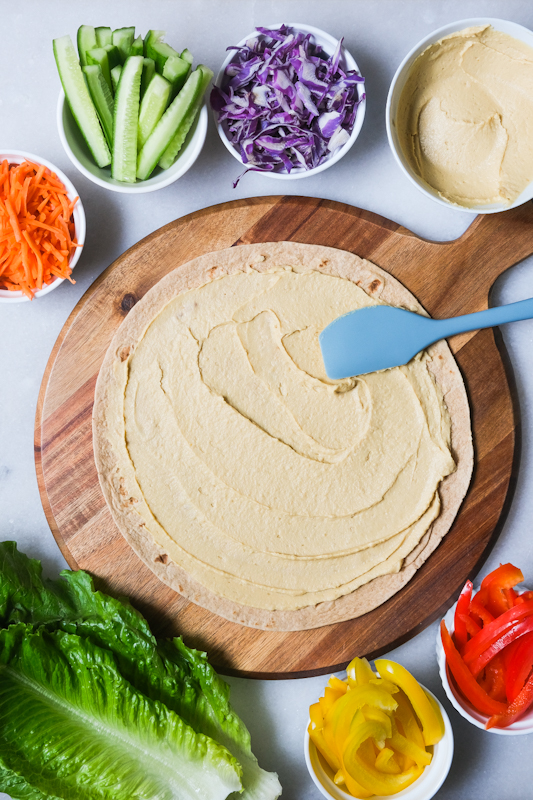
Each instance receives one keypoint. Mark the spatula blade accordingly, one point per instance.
(372, 339)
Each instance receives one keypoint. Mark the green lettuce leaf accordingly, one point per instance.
(164, 670)
(76, 729)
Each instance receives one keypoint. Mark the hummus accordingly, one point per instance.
(220, 440)
(465, 117)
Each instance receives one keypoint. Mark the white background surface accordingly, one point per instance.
(378, 33)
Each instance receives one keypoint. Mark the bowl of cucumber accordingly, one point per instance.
(131, 116)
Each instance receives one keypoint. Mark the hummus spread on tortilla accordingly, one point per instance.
(220, 439)
(465, 117)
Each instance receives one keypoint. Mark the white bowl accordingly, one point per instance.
(17, 157)
(522, 725)
(78, 152)
(328, 44)
(395, 91)
(425, 787)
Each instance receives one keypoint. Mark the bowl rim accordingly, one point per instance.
(517, 728)
(521, 33)
(298, 172)
(80, 222)
(170, 175)
(442, 759)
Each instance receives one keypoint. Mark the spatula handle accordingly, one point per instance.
(513, 312)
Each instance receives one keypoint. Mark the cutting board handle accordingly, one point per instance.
(458, 276)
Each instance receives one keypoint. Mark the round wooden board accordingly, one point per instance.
(449, 279)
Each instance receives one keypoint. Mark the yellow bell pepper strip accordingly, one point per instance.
(337, 685)
(408, 748)
(464, 679)
(366, 773)
(518, 707)
(407, 720)
(359, 672)
(328, 701)
(316, 716)
(317, 737)
(338, 720)
(386, 761)
(431, 722)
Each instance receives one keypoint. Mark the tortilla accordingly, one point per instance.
(121, 482)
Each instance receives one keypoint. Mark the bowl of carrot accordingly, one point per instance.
(42, 227)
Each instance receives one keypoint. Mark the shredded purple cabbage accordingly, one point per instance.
(284, 103)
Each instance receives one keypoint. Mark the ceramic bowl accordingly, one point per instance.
(78, 152)
(395, 91)
(425, 787)
(328, 44)
(522, 725)
(17, 157)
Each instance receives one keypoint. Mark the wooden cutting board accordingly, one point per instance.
(449, 279)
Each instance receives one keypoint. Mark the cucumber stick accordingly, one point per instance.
(98, 56)
(123, 39)
(126, 120)
(103, 36)
(148, 74)
(155, 48)
(175, 122)
(176, 143)
(137, 48)
(102, 98)
(176, 71)
(152, 107)
(79, 100)
(86, 41)
(115, 76)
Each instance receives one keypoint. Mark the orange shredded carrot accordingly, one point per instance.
(37, 236)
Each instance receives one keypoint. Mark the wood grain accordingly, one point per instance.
(449, 278)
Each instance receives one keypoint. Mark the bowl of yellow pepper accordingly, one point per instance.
(376, 734)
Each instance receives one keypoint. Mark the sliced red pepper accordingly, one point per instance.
(524, 597)
(509, 636)
(493, 680)
(466, 682)
(460, 631)
(519, 666)
(477, 607)
(496, 584)
(471, 625)
(518, 707)
(479, 643)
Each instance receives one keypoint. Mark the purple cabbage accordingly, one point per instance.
(285, 104)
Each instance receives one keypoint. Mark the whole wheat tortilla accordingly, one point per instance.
(108, 419)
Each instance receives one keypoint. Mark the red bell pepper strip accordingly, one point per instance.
(460, 632)
(519, 666)
(493, 680)
(518, 707)
(466, 682)
(479, 643)
(471, 625)
(496, 584)
(477, 607)
(524, 597)
(509, 636)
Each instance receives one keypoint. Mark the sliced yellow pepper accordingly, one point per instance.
(432, 728)
(339, 718)
(386, 761)
(337, 685)
(359, 672)
(365, 773)
(317, 737)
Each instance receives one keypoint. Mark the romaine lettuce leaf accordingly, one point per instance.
(164, 670)
(76, 729)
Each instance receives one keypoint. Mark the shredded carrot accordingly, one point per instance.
(36, 228)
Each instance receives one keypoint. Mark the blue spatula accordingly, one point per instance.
(381, 337)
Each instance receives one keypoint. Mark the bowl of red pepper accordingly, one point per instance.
(485, 653)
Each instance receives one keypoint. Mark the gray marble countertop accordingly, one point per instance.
(378, 33)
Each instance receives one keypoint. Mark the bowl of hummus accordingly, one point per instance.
(459, 115)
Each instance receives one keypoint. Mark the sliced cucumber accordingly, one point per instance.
(115, 76)
(152, 107)
(123, 38)
(79, 100)
(187, 56)
(174, 124)
(113, 55)
(176, 143)
(155, 48)
(176, 71)
(103, 36)
(102, 98)
(98, 56)
(126, 120)
(148, 74)
(86, 41)
(137, 48)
